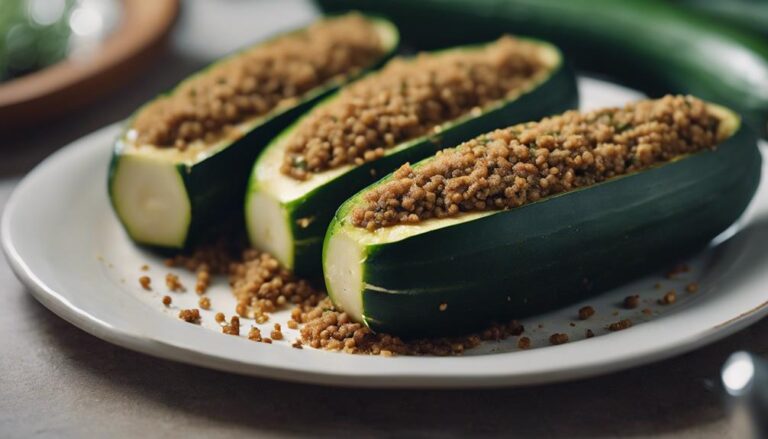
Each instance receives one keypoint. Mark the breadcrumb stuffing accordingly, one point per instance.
(190, 315)
(257, 81)
(409, 98)
(325, 327)
(510, 167)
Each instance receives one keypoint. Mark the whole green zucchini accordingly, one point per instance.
(749, 14)
(652, 45)
(289, 217)
(455, 274)
(168, 197)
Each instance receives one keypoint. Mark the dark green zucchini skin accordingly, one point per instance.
(748, 14)
(552, 253)
(216, 186)
(557, 94)
(655, 46)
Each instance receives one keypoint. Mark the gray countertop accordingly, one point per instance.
(59, 381)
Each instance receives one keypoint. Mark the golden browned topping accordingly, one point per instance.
(632, 302)
(510, 167)
(145, 282)
(257, 81)
(524, 343)
(586, 312)
(190, 315)
(558, 338)
(204, 302)
(692, 287)
(407, 99)
(173, 283)
(167, 300)
(669, 298)
(620, 325)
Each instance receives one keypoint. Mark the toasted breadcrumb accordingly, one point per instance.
(258, 80)
(407, 99)
(190, 315)
(558, 338)
(254, 334)
(145, 282)
(511, 167)
(620, 325)
(233, 328)
(173, 283)
(669, 298)
(586, 312)
(167, 300)
(632, 302)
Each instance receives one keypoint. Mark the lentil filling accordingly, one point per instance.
(407, 99)
(257, 81)
(510, 167)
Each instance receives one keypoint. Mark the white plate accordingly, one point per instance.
(65, 244)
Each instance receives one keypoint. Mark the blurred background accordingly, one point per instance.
(41, 40)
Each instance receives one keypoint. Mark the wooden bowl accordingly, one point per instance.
(72, 83)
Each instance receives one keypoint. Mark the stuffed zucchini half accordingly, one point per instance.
(407, 111)
(537, 216)
(654, 45)
(184, 158)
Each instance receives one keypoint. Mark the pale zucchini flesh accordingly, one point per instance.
(308, 206)
(447, 276)
(168, 198)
